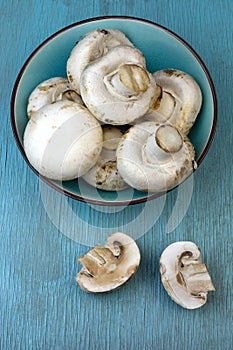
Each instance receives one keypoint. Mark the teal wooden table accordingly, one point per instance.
(40, 305)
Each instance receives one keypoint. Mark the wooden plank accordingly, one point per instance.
(40, 305)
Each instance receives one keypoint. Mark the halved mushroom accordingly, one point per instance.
(93, 45)
(62, 140)
(104, 174)
(117, 88)
(154, 157)
(107, 268)
(49, 91)
(184, 276)
(179, 101)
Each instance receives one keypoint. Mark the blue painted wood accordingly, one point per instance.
(40, 305)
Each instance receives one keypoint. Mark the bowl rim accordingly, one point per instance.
(93, 19)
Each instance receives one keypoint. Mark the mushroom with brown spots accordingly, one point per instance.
(184, 276)
(104, 174)
(154, 157)
(50, 91)
(93, 45)
(62, 140)
(107, 268)
(118, 86)
(178, 102)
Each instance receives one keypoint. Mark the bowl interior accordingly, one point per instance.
(161, 48)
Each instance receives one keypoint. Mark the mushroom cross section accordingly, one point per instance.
(179, 101)
(154, 157)
(49, 91)
(93, 45)
(117, 88)
(107, 268)
(184, 276)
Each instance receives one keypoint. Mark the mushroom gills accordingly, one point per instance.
(184, 276)
(50, 91)
(104, 174)
(107, 268)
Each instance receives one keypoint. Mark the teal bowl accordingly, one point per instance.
(162, 49)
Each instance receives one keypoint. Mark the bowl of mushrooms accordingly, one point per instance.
(114, 110)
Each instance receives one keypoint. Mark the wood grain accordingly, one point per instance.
(40, 304)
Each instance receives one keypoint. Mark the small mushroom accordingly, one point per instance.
(49, 91)
(107, 268)
(178, 102)
(117, 88)
(62, 140)
(93, 45)
(104, 174)
(154, 157)
(184, 276)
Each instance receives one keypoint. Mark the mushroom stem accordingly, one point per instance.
(57, 94)
(111, 137)
(186, 94)
(162, 144)
(129, 80)
(162, 106)
(197, 278)
(69, 95)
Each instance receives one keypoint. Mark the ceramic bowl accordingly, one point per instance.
(162, 49)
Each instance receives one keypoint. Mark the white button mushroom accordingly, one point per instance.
(179, 102)
(111, 75)
(104, 174)
(184, 276)
(49, 91)
(62, 140)
(107, 268)
(154, 157)
(117, 88)
(93, 45)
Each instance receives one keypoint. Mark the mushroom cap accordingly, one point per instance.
(62, 140)
(116, 88)
(154, 157)
(179, 102)
(104, 174)
(49, 91)
(93, 45)
(184, 276)
(107, 268)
